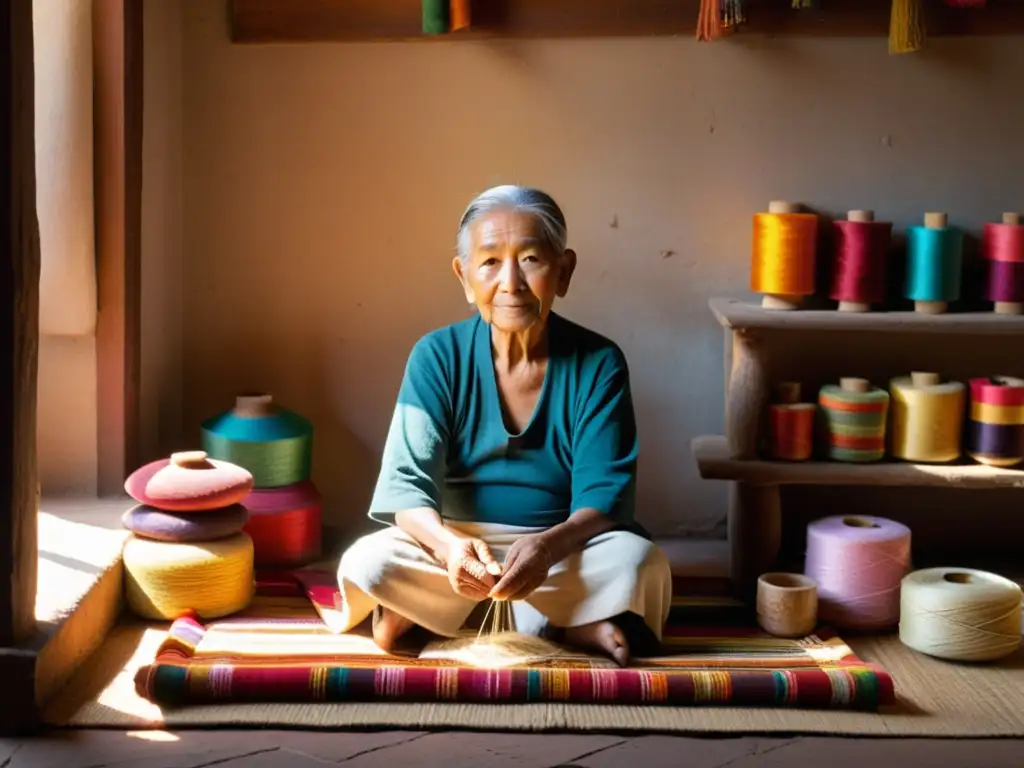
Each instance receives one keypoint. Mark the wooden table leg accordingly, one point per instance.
(755, 534)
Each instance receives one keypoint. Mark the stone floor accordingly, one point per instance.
(292, 749)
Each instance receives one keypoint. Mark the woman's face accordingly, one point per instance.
(511, 274)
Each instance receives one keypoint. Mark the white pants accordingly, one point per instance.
(615, 572)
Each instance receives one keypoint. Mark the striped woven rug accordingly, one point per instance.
(282, 649)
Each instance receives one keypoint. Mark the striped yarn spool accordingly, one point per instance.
(189, 481)
(285, 524)
(927, 418)
(791, 425)
(163, 580)
(854, 416)
(273, 443)
(1002, 245)
(995, 433)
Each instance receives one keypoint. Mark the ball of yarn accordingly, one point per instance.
(189, 482)
(151, 523)
(273, 443)
(960, 614)
(858, 563)
(285, 524)
(164, 580)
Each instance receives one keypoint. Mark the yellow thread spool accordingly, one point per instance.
(783, 256)
(164, 580)
(927, 418)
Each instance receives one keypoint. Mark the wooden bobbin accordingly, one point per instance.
(1010, 307)
(781, 301)
(254, 405)
(787, 604)
(933, 221)
(925, 379)
(787, 392)
(852, 384)
(856, 306)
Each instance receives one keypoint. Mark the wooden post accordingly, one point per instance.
(755, 534)
(746, 395)
(117, 108)
(19, 357)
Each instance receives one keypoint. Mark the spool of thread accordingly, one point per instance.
(861, 247)
(1002, 245)
(189, 481)
(960, 614)
(273, 443)
(854, 416)
(151, 523)
(460, 12)
(435, 16)
(286, 525)
(783, 260)
(791, 425)
(934, 264)
(927, 417)
(995, 429)
(858, 563)
(164, 580)
(787, 604)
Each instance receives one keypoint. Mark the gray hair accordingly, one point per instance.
(534, 202)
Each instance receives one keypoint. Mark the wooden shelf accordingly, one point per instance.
(740, 315)
(715, 463)
(279, 21)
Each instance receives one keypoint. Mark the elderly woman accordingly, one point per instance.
(510, 465)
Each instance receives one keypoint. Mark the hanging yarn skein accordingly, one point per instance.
(858, 563)
(934, 264)
(960, 614)
(995, 430)
(285, 524)
(861, 246)
(927, 417)
(854, 416)
(271, 442)
(791, 425)
(906, 27)
(783, 255)
(1002, 246)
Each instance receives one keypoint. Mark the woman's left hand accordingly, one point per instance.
(526, 568)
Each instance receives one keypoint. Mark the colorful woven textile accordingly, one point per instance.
(283, 649)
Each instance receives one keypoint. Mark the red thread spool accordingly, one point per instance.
(861, 246)
(285, 524)
(1002, 245)
(188, 482)
(791, 425)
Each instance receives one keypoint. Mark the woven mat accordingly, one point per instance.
(222, 654)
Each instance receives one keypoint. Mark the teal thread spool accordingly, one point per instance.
(934, 264)
(273, 443)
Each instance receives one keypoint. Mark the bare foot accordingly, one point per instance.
(601, 636)
(388, 627)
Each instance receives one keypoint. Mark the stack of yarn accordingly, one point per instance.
(188, 550)
(275, 445)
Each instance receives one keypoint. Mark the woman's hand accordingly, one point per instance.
(471, 568)
(526, 568)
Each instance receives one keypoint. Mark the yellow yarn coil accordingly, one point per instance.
(927, 418)
(906, 27)
(960, 614)
(163, 580)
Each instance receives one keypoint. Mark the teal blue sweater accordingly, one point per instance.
(448, 448)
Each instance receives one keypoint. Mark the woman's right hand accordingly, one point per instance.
(472, 569)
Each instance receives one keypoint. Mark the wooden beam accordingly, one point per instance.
(19, 330)
(278, 21)
(117, 105)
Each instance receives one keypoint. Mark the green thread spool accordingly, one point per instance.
(435, 17)
(853, 420)
(273, 443)
(934, 264)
